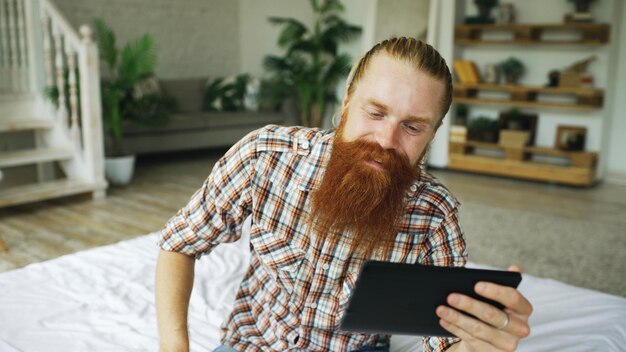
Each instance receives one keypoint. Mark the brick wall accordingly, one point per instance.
(194, 37)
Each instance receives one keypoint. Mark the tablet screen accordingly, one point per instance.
(394, 298)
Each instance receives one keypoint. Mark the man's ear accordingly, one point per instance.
(346, 100)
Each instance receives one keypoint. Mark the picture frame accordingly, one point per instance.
(520, 121)
(570, 138)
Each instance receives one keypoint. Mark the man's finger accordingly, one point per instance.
(476, 330)
(483, 311)
(515, 268)
(510, 297)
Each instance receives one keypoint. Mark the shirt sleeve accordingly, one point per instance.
(216, 212)
(445, 247)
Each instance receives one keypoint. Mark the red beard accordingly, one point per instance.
(360, 203)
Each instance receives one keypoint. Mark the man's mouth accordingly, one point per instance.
(376, 163)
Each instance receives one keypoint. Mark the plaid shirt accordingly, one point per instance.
(297, 286)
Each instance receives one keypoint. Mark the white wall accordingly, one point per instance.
(443, 15)
(616, 144)
(408, 18)
(258, 37)
(194, 37)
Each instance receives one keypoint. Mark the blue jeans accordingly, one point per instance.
(224, 348)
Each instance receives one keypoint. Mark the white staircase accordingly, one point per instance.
(49, 148)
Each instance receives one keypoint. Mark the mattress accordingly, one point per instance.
(102, 300)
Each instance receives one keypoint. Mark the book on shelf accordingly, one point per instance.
(458, 134)
(466, 71)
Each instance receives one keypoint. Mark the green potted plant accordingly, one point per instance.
(513, 118)
(582, 6)
(485, 7)
(512, 69)
(483, 129)
(312, 66)
(126, 68)
(462, 111)
(226, 95)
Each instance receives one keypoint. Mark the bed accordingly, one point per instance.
(102, 300)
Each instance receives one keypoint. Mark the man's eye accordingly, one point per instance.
(375, 114)
(413, 129)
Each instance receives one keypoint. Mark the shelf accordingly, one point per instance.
(515, 163)
(526, 96)
(532, 34)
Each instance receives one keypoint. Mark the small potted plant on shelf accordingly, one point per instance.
(512, 69)
(483, 129)
(582, 13)
(461, 114)
(582, 6)
(126, 68)
(484, 12)
(485, 7)
(513, 133)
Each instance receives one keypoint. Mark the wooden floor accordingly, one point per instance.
(49, 229)
(596, 258)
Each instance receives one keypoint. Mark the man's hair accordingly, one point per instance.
(414, 52)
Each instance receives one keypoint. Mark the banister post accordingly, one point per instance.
(91, 109)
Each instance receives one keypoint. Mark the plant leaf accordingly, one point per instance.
(293, 30)
(106, 43)
(330, 6)
(138, 60)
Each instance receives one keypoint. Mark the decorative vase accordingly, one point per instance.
(506, 13)
(119, 170)
(492, 74)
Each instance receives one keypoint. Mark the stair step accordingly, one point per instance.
(33, 156)
(17, 105)
(45, 190)
(25, 125)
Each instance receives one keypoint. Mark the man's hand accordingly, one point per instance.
(495, 329)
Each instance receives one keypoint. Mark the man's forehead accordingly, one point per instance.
(397, 84)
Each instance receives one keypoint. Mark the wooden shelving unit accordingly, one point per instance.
(533, 163)
(515, 163)
(527, 96)
(589, 33)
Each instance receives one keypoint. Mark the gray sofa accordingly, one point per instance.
(191, 128)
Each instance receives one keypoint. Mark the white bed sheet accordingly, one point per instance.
(102, 300)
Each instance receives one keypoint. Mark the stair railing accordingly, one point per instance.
(70, 68)
(14, 57)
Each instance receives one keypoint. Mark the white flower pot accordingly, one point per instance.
(119, 170)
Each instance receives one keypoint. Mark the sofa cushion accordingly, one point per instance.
(177, 122)
(188, 92)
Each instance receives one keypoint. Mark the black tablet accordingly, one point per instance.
(393, 298)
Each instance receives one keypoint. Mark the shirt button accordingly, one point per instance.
(413, 188)
(305, 145)
(313, 305)
(326, 266)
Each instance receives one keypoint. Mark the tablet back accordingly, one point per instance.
(393, 298)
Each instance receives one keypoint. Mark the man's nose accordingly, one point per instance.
(387, 136)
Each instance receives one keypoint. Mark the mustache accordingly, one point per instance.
(364, 150)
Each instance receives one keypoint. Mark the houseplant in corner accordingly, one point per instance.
(126, 67)
(311, 67)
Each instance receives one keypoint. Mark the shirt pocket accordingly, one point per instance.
(280, 259)
(327, 311)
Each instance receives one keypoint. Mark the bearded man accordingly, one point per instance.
(322, 202)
